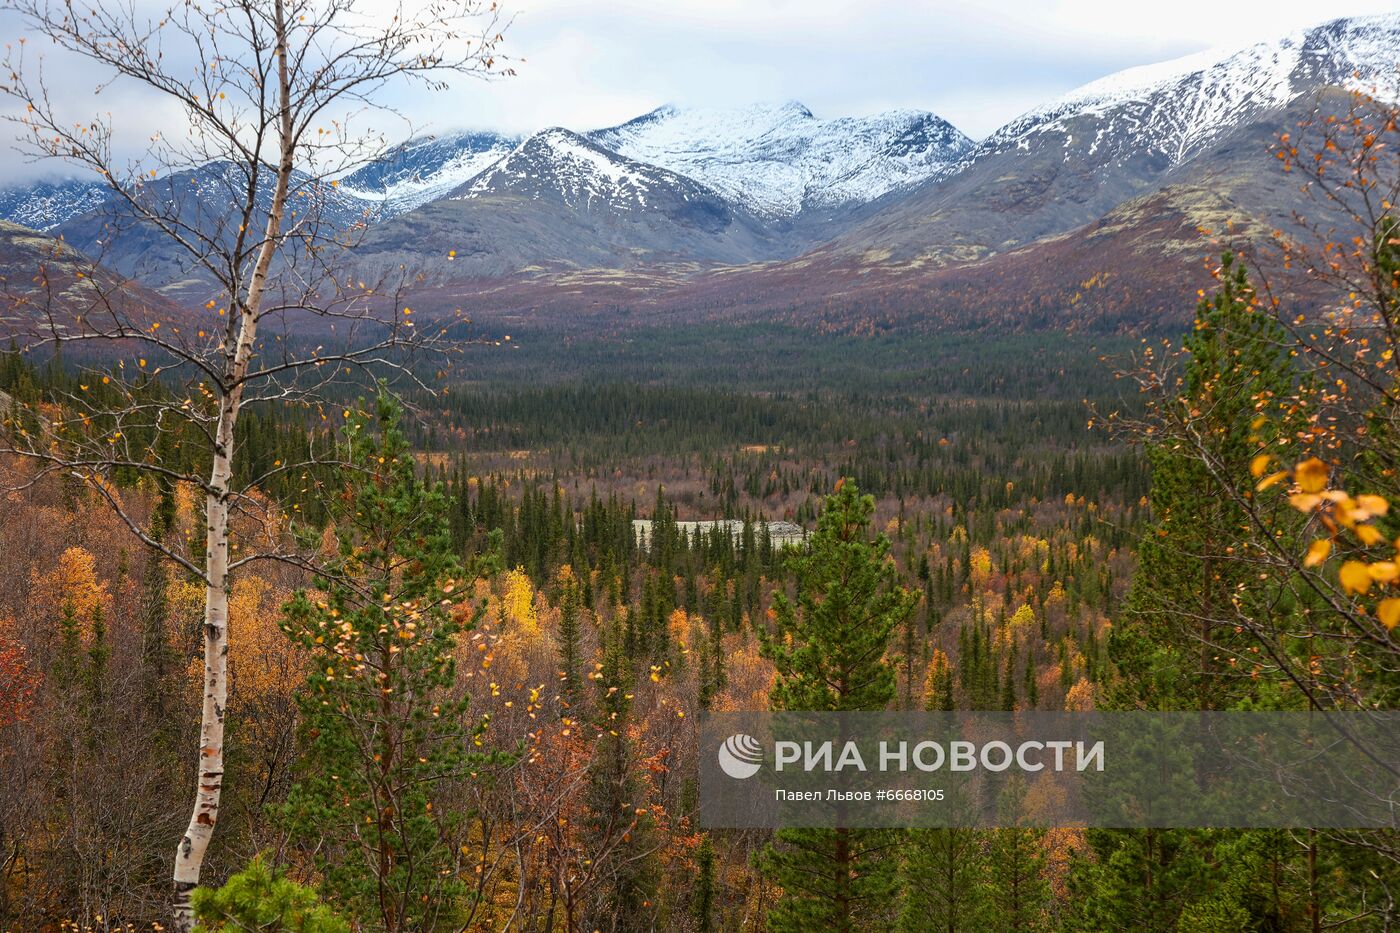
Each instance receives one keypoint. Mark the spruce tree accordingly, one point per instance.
(829, 649)
(619, 826)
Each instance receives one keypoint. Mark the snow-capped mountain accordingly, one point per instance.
(559, 201)
(426, 168)
(47, 205)
(780, 159)
(583, 176)
(903, 190)
(1179, 108)
(1205, 120)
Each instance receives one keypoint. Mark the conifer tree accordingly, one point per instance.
(385, 738)
(1008, 685)
(157, 658)
(829, 649)
(703, 904)
(1189, 567)
(1141, 880)
(1018, 892)
(258, 898)
(620, 827)
(570, 661)
(944, 881)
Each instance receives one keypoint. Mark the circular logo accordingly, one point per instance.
(740, 756)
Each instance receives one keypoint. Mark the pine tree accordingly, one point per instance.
(944, 880)
(259, 898)
(1188, 562)
(1140, 880)
(829, 651)
(1018, 892)
(384, 737)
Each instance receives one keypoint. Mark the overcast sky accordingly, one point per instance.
(587, 64)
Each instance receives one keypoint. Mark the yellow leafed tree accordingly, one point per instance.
(520, 601)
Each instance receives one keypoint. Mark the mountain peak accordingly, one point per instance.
(1189, 100)
(778, 159)
(557, 163)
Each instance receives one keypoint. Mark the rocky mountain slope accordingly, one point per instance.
(425, 169)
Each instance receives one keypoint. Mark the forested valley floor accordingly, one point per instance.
(481, 714)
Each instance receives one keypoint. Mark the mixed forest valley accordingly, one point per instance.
(1006, 512)
(382, 522)
(579, 661)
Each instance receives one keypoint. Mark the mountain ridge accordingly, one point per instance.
(761, 196)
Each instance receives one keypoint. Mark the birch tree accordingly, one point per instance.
(271, 97)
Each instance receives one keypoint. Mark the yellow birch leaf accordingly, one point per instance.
(1384, 572)
(1311, 475)
(1376, 505)
(1317, 552)
(1304, 502)
(1369, 535)
(1355, 577)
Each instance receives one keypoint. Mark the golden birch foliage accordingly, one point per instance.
(937, 669)
(679, 626)
(1374, 563)
(1047, 801)
(1062, 845)
(520, 601)
(186, 598)
(261, 657)
(187, 503)
(262, 661)
(72, 582)
(1081, 697)
(750, 677)
(981, 566)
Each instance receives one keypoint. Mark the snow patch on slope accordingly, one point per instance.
(48, 205)
(425, 169)
(780, 159)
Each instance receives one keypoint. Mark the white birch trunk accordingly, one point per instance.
(189, 856)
